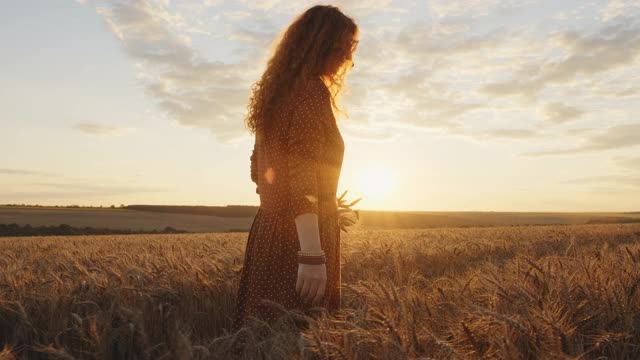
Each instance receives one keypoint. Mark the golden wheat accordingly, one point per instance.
(529, 292)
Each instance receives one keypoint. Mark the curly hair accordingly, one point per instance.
(318, 43)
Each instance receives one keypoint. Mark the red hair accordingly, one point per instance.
(321, 38)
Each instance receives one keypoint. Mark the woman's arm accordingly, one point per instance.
(305, 143)
(308, 232)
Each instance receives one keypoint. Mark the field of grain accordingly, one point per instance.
(522, 292)
(120, 219)
(239, 218)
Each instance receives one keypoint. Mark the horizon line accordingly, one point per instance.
(356, 209)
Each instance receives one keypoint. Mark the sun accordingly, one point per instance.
(376, 181)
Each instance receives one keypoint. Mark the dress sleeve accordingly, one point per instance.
(305, 141)
(254, 166)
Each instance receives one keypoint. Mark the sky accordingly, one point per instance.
(474, 105)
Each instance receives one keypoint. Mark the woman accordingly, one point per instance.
(296, 164)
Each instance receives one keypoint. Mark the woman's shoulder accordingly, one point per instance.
(315, 88)
(312, 104)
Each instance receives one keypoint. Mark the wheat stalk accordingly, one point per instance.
(345, 213)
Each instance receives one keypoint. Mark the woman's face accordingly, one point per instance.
(344, 60)
(354, 46)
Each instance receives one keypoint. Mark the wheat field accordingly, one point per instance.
(520, 292)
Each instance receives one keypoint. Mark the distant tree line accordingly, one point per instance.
(223, 211)
(7, 230)
(122, 206)
(613, 220)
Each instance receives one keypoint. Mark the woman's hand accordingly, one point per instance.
(312, 278)
(312, 281)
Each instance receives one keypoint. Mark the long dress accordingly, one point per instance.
(298, 174)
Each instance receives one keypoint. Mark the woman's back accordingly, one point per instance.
(302, 154)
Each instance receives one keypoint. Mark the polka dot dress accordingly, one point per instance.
(296, 171)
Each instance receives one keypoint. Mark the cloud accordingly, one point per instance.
(98, 129)
(611, 47)
(249, 35)
(504, 134)
(559, 113)
(617, 8)
(433, 111)
(618, 87)
(236, 15)
(261, 5)
(615, 179)
(73, 190)
(478, 8)
(358, 7)
(147, 31)
(213, 95)
(368, 133)
(424, 40)
(629, 163)
(209, 3)
(416, 101)
(426, 74)
(7, 171)
(194, 91)
(615, 137)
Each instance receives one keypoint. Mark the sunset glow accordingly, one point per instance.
(482, 105)
(376, 182)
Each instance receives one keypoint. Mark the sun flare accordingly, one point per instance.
(376, 181)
